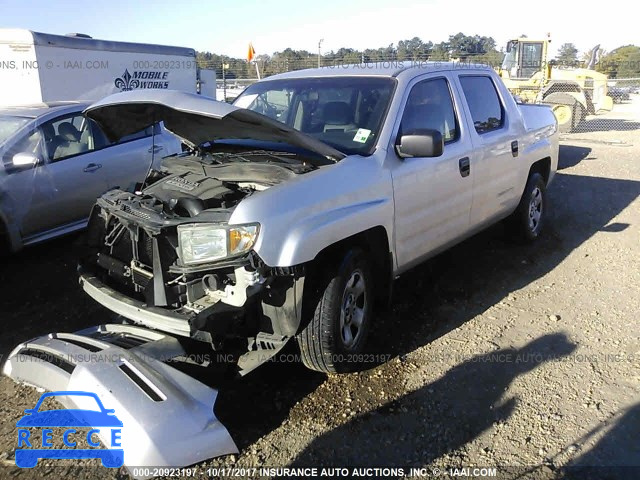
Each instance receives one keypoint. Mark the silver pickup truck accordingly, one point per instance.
(299, 204)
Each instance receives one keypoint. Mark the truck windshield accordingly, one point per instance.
(10, 125)
(344, 112)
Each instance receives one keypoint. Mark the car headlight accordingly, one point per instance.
(202, 243)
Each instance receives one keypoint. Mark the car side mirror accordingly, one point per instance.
(25, 160)
(420, 143)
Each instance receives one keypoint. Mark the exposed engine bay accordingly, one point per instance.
(138, 247)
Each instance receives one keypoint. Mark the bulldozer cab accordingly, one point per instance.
(524, 57)
(573, 93)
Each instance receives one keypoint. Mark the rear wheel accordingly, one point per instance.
(526, 223)
(334, 338)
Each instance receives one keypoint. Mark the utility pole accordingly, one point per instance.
(224, 80)
(320, 50)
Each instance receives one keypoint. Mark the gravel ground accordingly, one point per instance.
(524, 358)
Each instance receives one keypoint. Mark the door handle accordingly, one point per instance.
(92, 167)
(465, 166)
(514, 148)
(155, 149)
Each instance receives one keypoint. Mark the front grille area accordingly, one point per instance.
(122, 248)
(141, 277)
(145, 248)
(126, 255)
(135, 212)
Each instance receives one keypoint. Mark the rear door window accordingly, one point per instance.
(486, 109)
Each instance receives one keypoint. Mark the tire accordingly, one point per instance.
(527, 222)
(333, 341)
(564, 107)
(579, 114)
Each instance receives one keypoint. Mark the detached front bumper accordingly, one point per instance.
(152, 317)
(167, 416)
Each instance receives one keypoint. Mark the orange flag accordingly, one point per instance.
(250, 53)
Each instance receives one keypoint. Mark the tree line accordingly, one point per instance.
(621, 62)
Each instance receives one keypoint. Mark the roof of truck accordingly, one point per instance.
(379, 69)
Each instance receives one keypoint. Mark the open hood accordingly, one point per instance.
(195, 119)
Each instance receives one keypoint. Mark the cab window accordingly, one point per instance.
(486, 109)
(430, 106)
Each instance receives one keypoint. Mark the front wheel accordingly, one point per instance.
(527, 221)
(333, 340)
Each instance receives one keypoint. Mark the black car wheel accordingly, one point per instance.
(335, 336)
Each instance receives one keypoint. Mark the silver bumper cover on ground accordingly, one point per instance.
(167, 416)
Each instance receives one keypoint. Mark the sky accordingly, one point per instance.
(228, 27)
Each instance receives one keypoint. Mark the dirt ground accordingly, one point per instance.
(522, 358)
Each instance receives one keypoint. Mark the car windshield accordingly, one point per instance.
(344, 112)
(9, 125)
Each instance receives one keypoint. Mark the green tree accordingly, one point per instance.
(623, 62)
(474, 48)
(238, 68)
(567, 54)
(440, 52)
(413, 49)
(465, 47)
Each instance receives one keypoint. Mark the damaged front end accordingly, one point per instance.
(166, 258)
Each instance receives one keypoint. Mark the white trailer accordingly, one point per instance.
(40, 68)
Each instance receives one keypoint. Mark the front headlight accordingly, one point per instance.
(202, 243)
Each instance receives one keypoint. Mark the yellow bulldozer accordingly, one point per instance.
(573, 93)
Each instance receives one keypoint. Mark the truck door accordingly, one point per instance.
(494, 137)
(432, 195)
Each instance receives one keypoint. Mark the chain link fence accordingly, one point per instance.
(584, 101)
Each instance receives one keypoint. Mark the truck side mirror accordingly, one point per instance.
(25, 160)
(420, 143)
